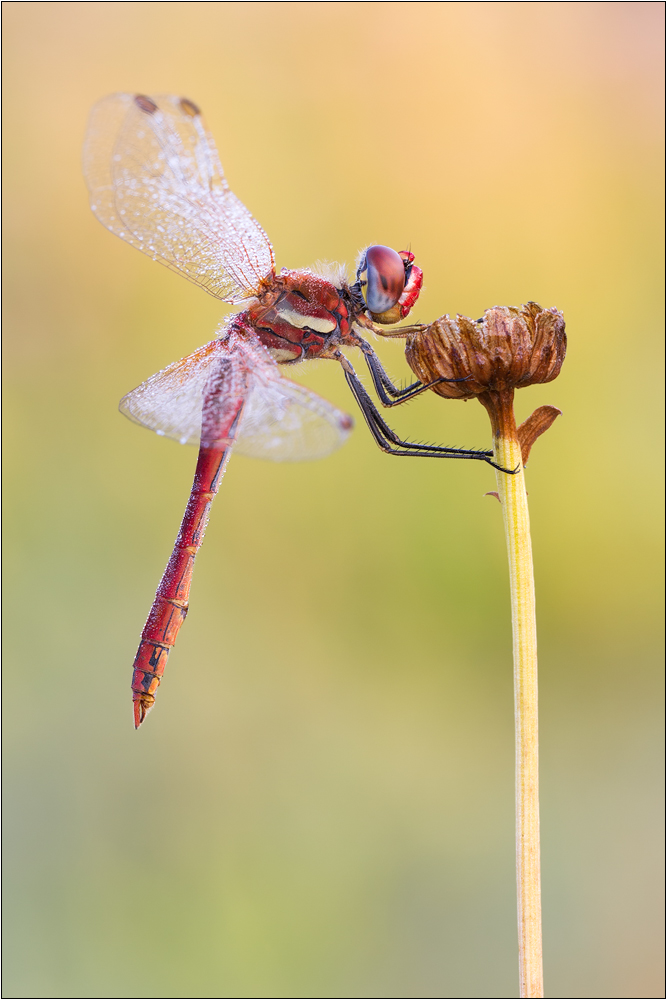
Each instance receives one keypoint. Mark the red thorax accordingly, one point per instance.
(299, 315)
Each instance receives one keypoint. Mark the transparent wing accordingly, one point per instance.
(171, 402)
(285, 422)
(155, 180)
(281, 421)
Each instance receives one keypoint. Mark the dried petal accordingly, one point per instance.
(537, 423)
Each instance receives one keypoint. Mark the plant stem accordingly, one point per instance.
(512, 495)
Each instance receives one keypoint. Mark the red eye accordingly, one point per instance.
(385, 277)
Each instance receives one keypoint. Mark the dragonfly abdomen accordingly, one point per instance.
(171, 600)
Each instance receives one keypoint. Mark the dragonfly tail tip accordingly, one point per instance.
(142, 707)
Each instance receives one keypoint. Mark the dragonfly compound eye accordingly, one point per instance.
(385, 278)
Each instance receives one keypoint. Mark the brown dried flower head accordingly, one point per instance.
(509, 348)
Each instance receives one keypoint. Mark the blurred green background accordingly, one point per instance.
(321, 804)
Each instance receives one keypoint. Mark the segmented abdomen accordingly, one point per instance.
(171, 600)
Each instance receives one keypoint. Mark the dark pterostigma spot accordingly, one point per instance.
(189, 107)
(145, 103)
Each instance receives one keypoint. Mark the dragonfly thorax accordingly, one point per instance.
(301, 315)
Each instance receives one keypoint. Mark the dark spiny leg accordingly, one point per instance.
(389, 441)
(387, 392)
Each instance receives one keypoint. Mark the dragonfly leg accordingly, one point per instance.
(388, 393)
(390, 442)
(396, 332)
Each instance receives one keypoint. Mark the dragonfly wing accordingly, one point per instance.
(155, 179)
(285, 422)
(171, 403)
(281, 420)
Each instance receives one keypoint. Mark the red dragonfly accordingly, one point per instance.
(155, 180)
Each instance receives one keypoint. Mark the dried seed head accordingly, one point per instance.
(509, 348)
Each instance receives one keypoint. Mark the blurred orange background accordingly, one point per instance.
(321, 804)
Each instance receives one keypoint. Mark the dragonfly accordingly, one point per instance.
(156, 181)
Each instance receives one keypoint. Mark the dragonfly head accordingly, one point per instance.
(389, 283)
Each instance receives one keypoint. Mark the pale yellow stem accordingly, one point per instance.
(512, 495)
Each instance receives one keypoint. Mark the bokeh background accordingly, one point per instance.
(321, 804)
